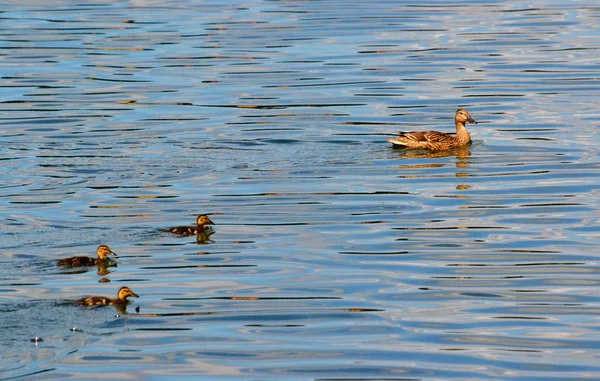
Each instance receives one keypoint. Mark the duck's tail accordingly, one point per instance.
(398, 141)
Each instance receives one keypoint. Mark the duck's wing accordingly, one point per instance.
(426, 136)
(423, 139)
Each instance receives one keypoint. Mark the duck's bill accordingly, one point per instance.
(135, 295)
(113, 253)
(471, 120)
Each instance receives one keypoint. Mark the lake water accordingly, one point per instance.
(335, 256)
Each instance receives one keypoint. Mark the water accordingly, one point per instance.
(335, 257)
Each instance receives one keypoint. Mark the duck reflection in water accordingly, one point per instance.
(462, 161)
(204, 237)
(460, 153)
(103, 270)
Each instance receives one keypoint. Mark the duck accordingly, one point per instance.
(103, 251)
(201, 227)
(438, 141)
(94, 301)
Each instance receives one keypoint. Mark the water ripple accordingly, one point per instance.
(334, 256)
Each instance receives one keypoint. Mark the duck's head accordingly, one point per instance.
(125, 292)
(462, 116)
(104, 251)
(204, 220)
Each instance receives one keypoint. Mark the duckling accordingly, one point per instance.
(200, 227)
(122, 295)
(103, 252)
(438, 141)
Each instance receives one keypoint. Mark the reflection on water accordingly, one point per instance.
(461, 153)
(336, 256)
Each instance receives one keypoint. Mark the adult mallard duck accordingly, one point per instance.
(103, 252)
(438, 141)
(201, 227)
(122, 295)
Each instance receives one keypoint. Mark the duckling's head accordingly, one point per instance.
(125, 292)
(204, 220)
(104, 251)
(462, 116)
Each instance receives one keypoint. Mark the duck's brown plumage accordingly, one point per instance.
(437, 141)
(103, 252)
(122, 295)
(200, 227)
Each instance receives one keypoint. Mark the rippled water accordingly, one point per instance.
(335, 256)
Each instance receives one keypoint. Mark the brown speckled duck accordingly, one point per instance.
(201, 227)
(122, 295)
(437, 141)
(103, 252)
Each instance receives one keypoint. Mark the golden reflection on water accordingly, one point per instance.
(460, 153)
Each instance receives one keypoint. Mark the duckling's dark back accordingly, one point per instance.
(77, 261)
(185, 230)
(94, 301)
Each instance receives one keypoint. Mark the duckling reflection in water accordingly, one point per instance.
(204, 237)
(103, 252)
(96, 301)
(437, 141)
(201, 228)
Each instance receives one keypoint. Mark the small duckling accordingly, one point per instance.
(438, 141)
(200, 227)
(103, 252)
(122, 295)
